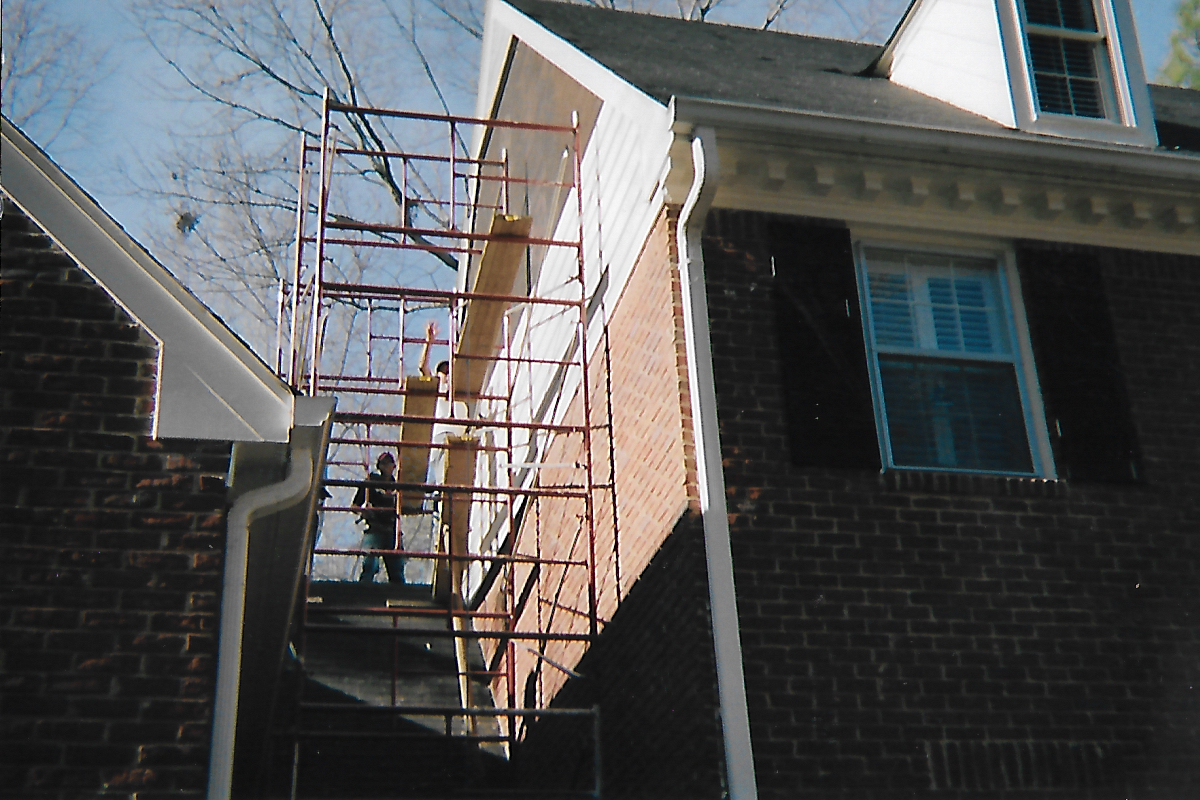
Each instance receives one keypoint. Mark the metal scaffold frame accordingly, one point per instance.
(499, 349)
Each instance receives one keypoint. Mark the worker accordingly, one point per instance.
(378, 504)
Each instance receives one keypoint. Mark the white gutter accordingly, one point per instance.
(727, 645)
(247, 508)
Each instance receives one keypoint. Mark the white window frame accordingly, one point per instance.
(1013, 309)
(1129, 117)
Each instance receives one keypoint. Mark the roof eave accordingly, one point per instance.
(946, 143)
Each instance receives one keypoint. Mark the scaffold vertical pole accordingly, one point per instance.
(298, 264)
(585, 389)
(328, 153)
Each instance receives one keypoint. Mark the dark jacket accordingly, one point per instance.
(379, 504)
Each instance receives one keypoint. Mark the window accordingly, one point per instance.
(947, 369)
(1068, 59)
(901, 351)
(1074, 70)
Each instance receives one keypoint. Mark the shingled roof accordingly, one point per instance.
(667, 57)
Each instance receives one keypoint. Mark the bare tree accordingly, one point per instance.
(855, 20)
(774, 12)
(49, 71)
(255, 74)
(696, 9)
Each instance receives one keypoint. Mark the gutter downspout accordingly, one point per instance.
(727, 646)
(246, 509)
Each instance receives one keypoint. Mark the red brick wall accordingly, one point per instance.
(925, 635)
(111, 548)
(654, 461)
(654, 658)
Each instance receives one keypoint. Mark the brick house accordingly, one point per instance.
(147, 453)
(903, 345)
(901, 376)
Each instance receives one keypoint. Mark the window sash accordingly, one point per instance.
(1077, 15)
(938, 406)
(936, 304)
(954, 415)
(1067, 54)
(1068, 76)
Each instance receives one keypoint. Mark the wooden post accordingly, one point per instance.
(456, 517)
(420, 399)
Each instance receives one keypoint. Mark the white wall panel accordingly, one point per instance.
(952, 50)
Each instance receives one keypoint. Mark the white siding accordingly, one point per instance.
(952, 50)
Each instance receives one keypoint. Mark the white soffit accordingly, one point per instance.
(952, 50)
(210, 385)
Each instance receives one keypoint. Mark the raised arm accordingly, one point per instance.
(430, 335)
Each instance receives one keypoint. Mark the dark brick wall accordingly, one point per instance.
(110, 548)
(653, 676)
(923, 635)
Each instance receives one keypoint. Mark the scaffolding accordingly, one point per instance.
(493, 502)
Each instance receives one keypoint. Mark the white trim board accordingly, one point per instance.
(210, 384)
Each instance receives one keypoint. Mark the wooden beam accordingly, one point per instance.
(498, 268)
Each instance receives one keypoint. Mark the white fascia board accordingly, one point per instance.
(940, 144)
(1129, 51)
(493, 55)
(210, 384)
(653, 119)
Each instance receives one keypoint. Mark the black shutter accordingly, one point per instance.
(830, 418)
(1075, 349)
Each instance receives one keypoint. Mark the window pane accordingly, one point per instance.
(936, 303)
(1043, 12)
(1065, 76)
(1075, 14)
(960, 315)
(1053, 94)
(891, 308)
(1078, 59)
(955, 416)
(1046, 52)
(973, 316)
(1086, 96)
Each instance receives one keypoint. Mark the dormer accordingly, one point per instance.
(1069, 68)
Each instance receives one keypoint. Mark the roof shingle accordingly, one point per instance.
(667, 57)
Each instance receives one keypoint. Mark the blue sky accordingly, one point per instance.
(131, 103)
